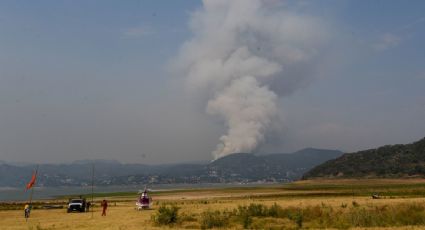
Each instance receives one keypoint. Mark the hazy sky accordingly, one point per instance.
(98, 79)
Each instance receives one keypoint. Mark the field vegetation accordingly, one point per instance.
(319, 204)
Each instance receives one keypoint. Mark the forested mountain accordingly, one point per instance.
(400, 160)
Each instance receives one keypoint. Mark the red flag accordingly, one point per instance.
(32, 181)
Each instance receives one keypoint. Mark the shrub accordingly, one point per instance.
(246, 220)
(253, 210)
(257, 210)
(297, 217)
(211, 219)
(275, 211)
(166, 215)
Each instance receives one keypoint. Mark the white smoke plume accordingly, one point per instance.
(242, 50)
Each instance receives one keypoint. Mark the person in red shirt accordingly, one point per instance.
(104, 205)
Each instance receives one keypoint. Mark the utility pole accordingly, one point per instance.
(92, 185)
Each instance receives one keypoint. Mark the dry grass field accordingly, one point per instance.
(319, 204)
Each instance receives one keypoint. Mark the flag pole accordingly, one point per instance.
(32, 187)
(32, 183)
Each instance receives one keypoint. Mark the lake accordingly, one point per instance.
(40, 193)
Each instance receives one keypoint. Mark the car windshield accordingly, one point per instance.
(76, 201)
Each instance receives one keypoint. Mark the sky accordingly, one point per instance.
(135, 81)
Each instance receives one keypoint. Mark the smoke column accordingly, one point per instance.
(242, 57)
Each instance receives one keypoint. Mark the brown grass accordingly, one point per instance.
(122, 215)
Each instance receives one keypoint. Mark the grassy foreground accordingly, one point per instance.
(318, 204)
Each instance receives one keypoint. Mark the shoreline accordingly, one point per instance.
(14, 194)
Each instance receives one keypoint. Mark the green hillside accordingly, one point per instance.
(386, 161)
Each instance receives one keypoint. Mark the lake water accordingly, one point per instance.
(19, 194)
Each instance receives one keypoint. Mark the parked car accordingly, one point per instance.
(77, 204)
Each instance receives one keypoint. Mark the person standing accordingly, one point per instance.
(104, 205)
(27, 210)
(88, 206)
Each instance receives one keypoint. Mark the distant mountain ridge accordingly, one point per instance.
(272, 166)
(401, 160)
(239, 167)
(96, 161)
